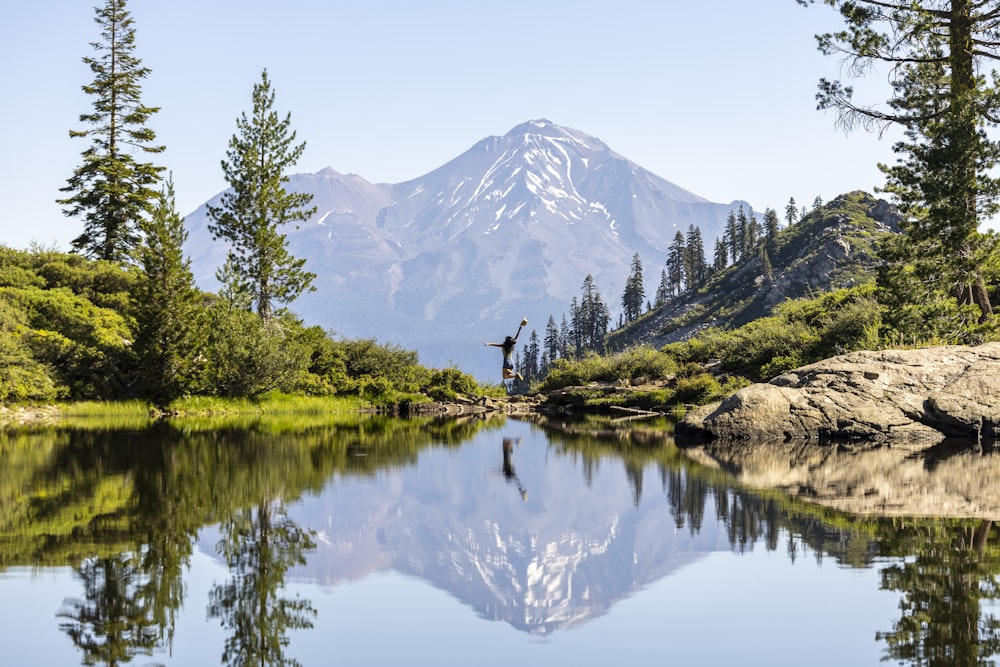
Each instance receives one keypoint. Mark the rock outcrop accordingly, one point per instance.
(921, 395)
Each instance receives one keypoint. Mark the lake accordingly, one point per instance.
(381, 541)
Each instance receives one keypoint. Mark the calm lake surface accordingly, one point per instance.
(389, 542)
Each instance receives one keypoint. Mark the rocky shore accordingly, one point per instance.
(923, 395)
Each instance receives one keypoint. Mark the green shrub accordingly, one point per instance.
(446, 384)
(697, 389)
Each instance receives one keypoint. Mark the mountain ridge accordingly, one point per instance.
(508, 229)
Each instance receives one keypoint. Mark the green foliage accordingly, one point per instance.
(22, 376)
(251, 215)
(247, 357)
(799, 332)
(364, 357)
(638, 363)
(696, 389)
(170, 317)
(110, 189)
(945, 179)
(448, 383)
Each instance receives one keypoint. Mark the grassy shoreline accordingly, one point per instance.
(197, 407)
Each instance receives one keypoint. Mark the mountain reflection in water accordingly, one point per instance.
(539, 527)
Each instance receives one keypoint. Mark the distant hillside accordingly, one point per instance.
(830, 248)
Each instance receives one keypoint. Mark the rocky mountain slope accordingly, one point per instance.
(832, 247)
(458, 256)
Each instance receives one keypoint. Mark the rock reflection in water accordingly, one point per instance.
(951, 479)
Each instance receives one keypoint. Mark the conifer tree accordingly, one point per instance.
(771, 223)
(634, 292)
(675, 263)
(731, 237)
(742, 234)
(720, 257)
(938, 53)
(253, 212)
(111, 190)
(593, 318)
(791, 212)
(552, 345)
(532, 355)
(565, 338)
(696, 267)
(663, 289)
(169, 315)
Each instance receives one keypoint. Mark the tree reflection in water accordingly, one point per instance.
(945, 568)
(942, 622)
(124, 518)
(260, 545)
(115, 621)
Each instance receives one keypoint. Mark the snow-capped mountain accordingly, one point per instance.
(458, 256)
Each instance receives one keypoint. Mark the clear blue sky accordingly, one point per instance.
(716, 96)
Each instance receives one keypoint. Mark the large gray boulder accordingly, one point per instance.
(914, 395)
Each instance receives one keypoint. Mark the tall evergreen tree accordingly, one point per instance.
(731, 237)
(552, 345)
(945, 179)
(593, 318)
(742, 234)
(532, 355)
(721, 255)
(791, 212)
(111, 190)
(696, 268)
(675, 263)
(634, 293)
(565, 338)
(252, 213)
(169, 315)
(663, 290)
(771, 223)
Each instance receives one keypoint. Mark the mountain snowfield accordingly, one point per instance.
(454, 258)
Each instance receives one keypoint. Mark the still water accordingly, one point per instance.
(392, 542)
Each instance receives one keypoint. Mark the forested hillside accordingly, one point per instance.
(832, 247)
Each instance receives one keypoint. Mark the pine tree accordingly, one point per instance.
(565, 338)
(696, 267)
(731, 237)
(944, 179)
(532, 353)
(634, 293)
(169, 314)
(663, 289)
(553, 347)
(675, 264)
(593, 318)
(252, 213)
(720, 256)
(771, 223)
(791, 212)
(112, 191)
(742, 234)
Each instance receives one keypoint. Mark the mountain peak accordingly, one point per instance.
(536, 126)
(542, 127)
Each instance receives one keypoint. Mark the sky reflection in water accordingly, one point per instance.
(564, 552)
